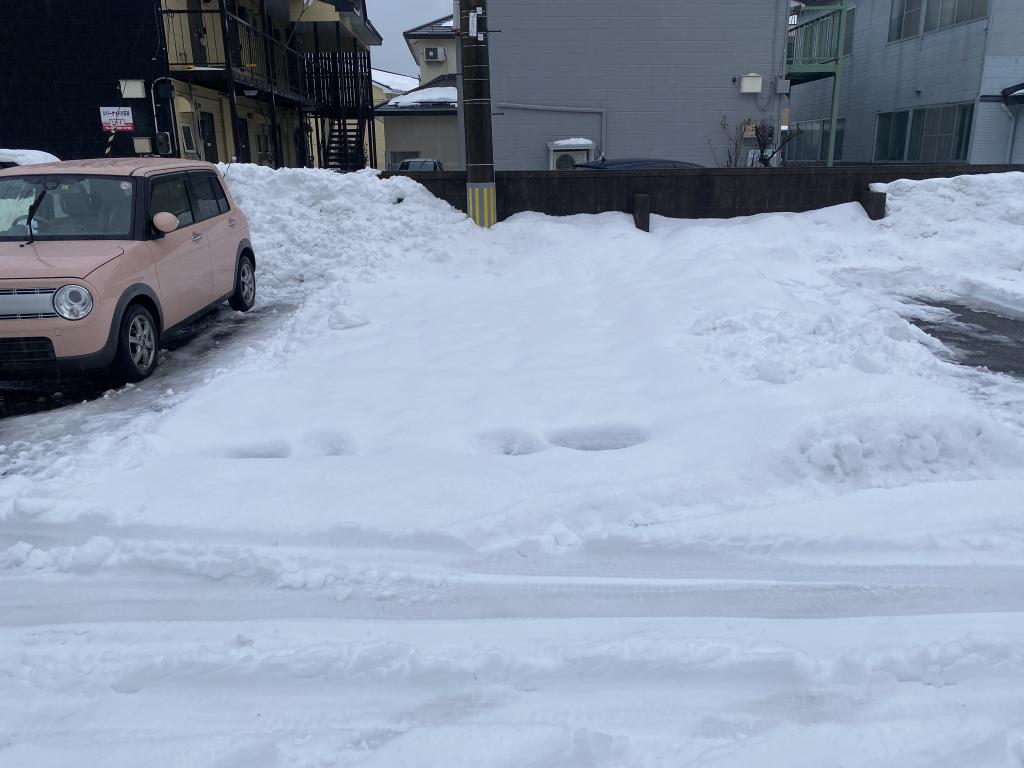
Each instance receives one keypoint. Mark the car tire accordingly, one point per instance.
(244, 297)
(138, 345)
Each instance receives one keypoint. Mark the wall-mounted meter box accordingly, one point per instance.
(752, 83)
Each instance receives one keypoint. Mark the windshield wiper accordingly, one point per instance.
(32, 214)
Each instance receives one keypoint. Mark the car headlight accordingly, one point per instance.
(72, 302)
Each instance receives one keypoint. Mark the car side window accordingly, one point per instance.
(204, 186)
(170, 195)
(222, 199)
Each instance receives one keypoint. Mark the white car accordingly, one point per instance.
(12, 157)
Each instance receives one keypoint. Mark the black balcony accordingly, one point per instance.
(196, 46)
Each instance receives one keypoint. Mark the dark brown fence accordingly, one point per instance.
(691, 194)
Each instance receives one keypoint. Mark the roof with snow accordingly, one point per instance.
(443, 27)
(438, 97)
(393, 82)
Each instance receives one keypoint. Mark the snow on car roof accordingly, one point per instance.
(27, 156)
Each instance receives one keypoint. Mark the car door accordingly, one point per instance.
(220, 228)
(182, 258)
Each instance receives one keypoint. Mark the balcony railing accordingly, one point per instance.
(195, 43)
(815, 42)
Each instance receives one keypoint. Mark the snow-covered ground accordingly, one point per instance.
(558, 494)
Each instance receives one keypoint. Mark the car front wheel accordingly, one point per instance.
(137, 345)
(244, 297)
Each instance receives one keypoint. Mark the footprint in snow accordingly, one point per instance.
(605, 437)
(269, 449)
(509, 442)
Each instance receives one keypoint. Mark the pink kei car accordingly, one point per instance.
(101, 258)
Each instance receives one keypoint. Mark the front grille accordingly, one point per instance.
(27, 303)
(25, 354)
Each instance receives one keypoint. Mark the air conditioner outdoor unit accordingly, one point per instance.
(566, 161)
(566, 153)
(435, 55)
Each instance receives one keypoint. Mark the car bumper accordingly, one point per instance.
(54, 345)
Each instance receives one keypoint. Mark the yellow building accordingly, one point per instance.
(284, 83)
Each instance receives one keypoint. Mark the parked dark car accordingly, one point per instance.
(421, 164)
(636, 164)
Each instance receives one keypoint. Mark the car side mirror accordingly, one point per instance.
(166, 222)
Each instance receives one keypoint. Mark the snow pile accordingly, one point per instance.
(959, 238)
(314, 232)
(314, 228)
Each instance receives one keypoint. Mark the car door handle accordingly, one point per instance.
(197, 237)
(232, 222)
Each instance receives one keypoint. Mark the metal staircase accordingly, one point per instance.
(343, 91)
(344, 149)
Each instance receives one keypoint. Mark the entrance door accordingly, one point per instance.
(244, 153)
(208, 129)
(197, 32)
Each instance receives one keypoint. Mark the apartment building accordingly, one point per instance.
(277, 82)
(920, 81)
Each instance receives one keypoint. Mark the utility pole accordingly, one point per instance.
(472, 29)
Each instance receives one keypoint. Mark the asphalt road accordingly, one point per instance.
(979, 339)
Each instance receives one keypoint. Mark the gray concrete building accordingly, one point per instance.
(931, 81)
(647, 78)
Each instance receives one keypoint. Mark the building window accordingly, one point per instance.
(891, 137)
(810, 144)
(189, 139)
(851, 23)
(905, 20)
(931, 135)
(946, 13)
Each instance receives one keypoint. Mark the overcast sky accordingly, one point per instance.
(392, 18)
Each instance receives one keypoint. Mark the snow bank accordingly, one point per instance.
(960, 238)
(314, 228)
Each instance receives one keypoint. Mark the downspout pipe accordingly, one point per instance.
(1014, 119)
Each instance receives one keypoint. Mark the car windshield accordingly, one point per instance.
(419, 165)
(72, 208)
